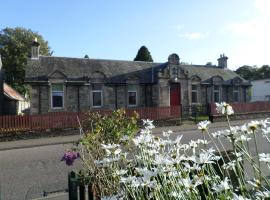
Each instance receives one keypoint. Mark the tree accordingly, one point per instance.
(86, 56)
(247, 72)
(264, 72)
(253, 73)
(15, 48)
(143, 55)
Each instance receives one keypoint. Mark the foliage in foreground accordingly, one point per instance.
(99, 129)
(165, 168)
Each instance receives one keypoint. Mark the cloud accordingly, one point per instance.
(192, 36)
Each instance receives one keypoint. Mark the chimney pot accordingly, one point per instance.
(222, 61)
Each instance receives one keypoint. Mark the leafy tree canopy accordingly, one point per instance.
(86, 56)
(15, 48)
(143, 55)
(253, 73)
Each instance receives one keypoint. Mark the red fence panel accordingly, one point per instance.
(242, 108)
(58, 120)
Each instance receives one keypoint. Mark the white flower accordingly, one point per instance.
(128, 179)
(264, 157)
(255, 183)
(109, 146)
(167, 133)
(236, 197)
(203, 125)
(143, 139)
(224, 185)
(266, 131)
(124, 138)
(148, 124)
(117, 151)
(242, 138)
(200, 141)
(224, 108)
(253, 125)
(207, 157)
(189, 183)
(263, 194)
(178, 139)
(121, 172)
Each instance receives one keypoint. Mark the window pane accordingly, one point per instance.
(216, 96)
(132, 98)
(131, 87)
(194, 97)
(97, 86)
(236, 96)
(57, 100)
(57, 87)
(194, 87)
(96, 98)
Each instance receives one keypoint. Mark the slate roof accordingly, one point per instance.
(115, 71)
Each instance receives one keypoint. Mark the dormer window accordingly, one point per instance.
(236, 94)
(97, 95)
(216, 93)
(57, 94)
(194, 94)
(132, 95)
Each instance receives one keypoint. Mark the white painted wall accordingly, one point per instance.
(260, 90)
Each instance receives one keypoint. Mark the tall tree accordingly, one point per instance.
(143, 55)
(15, 48)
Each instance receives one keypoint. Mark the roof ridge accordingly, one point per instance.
(100, 59)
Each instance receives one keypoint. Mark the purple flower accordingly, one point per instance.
(70, 157)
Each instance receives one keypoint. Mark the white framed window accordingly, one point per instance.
(236, 94)
(132, 95)
(194, 93)
(216, 93)
(57, 95)
(97, 95)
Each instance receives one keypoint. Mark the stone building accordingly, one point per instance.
(79, 84)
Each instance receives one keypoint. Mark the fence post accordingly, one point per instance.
(90, 192)
(72, 186)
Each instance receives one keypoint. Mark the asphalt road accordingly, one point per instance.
(27, 173)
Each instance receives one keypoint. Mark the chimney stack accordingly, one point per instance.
(222, 61)
(35, 49)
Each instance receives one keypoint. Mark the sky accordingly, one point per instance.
(197, 30)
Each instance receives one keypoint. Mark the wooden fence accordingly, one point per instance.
(245, 108)
(62, 120)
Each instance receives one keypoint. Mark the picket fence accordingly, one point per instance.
(61, 120)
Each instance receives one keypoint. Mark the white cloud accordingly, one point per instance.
(192, 36)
